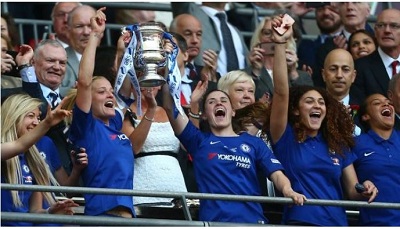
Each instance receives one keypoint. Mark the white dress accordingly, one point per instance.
(158, 172)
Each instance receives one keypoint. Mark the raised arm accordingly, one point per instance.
(280, 100)
(86, 66)
(178, 123)
(22, 144)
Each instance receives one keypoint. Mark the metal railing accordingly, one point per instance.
(182, 195)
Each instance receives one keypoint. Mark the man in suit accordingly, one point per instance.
(394, 96)
(78, 31)
(375, 70)
(42, 80)
(354, 16)
(212, 39)
(338, 74)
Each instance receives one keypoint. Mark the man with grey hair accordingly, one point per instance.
(394, 96)
(59, 17)
(42, 72)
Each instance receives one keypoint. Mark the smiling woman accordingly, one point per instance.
(378, 158)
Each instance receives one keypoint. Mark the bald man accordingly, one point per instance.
(338, 74)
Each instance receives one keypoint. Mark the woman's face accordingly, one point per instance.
(29, 121)
(241, 94)
(361, 45)
(380, 112)
(218, 110)
(103, 100)
(312, 111)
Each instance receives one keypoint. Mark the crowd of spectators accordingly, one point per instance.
(314, 117)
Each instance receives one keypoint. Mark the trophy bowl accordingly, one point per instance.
(150, 54)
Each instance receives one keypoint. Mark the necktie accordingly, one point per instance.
(231, 57)
(394, 65)
(192, 73)
(53, 97)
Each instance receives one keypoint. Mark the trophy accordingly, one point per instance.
(150, 54)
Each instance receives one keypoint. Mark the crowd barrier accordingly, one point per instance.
(90, 220)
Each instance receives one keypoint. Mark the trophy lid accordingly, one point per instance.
(156, 26)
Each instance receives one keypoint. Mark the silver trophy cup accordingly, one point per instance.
(150, 54)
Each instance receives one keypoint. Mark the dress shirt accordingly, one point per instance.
(387, 62)
(29, 75)
(236, 40)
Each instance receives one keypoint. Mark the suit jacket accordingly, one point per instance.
(307, 51)
(71, 75)
(371, 77)
(210, 39)
(56, 133)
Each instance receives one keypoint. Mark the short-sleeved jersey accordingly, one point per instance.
(316, 173)
(378, 160)
(6, 198)
(110, 158)
(227, 165)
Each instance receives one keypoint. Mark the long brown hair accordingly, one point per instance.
(337, 128)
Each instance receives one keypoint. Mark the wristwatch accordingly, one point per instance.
(19, 68)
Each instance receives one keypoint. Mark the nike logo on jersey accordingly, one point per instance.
(213, 143)
(367, 154)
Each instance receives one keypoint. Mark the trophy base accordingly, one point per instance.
(152, 80)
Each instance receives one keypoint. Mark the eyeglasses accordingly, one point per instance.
(392, 26)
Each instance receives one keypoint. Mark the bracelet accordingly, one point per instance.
(148, 119)
(277, 42)
(48, 210)
(195, 116)
(19, 68)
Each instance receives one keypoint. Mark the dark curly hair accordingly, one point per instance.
(337, 127)
(256, 112)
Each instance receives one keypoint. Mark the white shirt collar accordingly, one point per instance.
(346, 100)
(387, 61)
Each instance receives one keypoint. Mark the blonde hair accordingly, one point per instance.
(232, 77)
(69, 104)
(13, 111)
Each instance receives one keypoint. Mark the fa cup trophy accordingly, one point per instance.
(150, 54)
